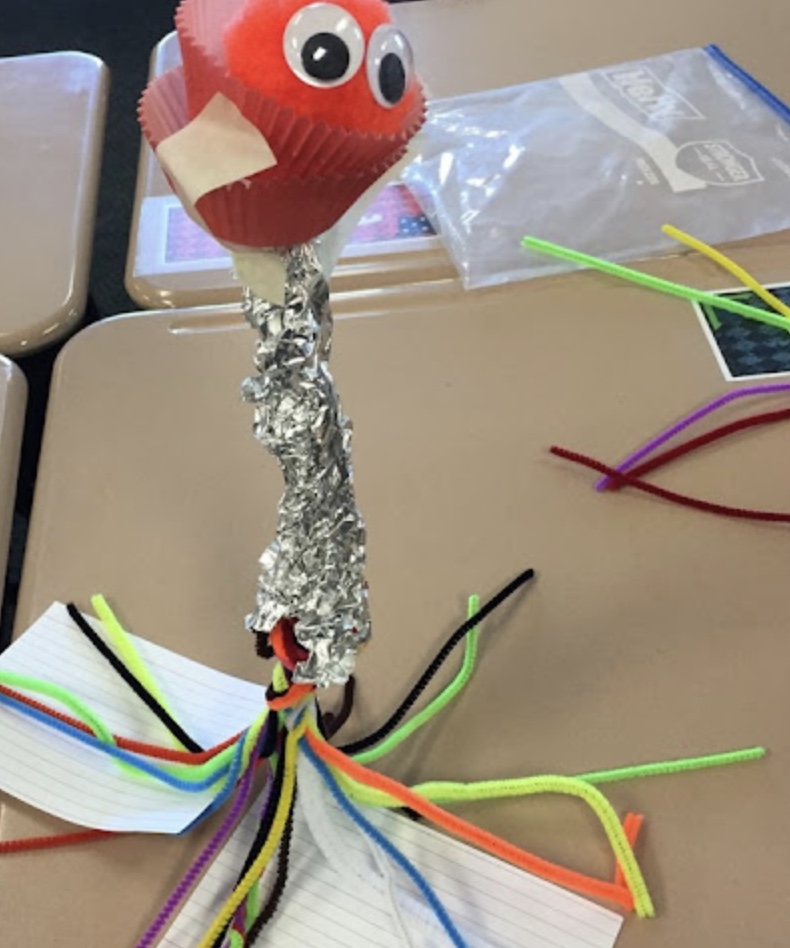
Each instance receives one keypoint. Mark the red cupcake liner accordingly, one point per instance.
(280, 214)
(262, 211)
(321, 170)
(163, 106)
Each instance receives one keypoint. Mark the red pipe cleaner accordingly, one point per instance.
(738, 513)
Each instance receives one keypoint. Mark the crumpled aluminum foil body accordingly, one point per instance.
(313, 571)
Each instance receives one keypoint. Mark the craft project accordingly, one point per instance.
(283, 116)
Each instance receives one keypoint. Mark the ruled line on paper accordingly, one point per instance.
(81, 784)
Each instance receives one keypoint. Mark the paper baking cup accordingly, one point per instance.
(279, 214)
(267, 209)
(163, 107)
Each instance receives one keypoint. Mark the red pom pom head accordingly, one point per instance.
(330, 87)
(340, 62)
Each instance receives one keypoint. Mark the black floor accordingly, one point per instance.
(122, 34)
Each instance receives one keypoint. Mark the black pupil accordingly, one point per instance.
(325, 57)
(392, 78)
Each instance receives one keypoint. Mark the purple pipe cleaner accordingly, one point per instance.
(684, 423)
(210, 851)
(241, 911)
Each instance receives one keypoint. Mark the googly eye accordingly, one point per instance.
(324, 45)
(390, 65)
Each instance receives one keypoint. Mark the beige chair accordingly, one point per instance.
(13, 400)
(460, 46)
(651, 632)
(52, 109)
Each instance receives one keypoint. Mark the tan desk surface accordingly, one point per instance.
(465, 45)
(462, 46)
(652, 632)
(52, 109)
(13, 400)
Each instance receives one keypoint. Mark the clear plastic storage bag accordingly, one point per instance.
(600, 160)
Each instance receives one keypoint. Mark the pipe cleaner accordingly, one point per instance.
(656, 283)
(768, 388)
(242, 914)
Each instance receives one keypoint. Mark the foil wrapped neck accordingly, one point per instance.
(313, 571)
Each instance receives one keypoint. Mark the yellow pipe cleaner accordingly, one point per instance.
(447, 791)
(251, 738)
(279, 679)
(729, 265)
(252, 875)
(252, 906)
(50, 690)
(129, 654)
(567, 786)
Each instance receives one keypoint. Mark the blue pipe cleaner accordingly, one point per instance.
(234, 773)
(389, 848)
(127, 757)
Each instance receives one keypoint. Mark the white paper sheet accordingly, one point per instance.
(493, 904)
(81, 784)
